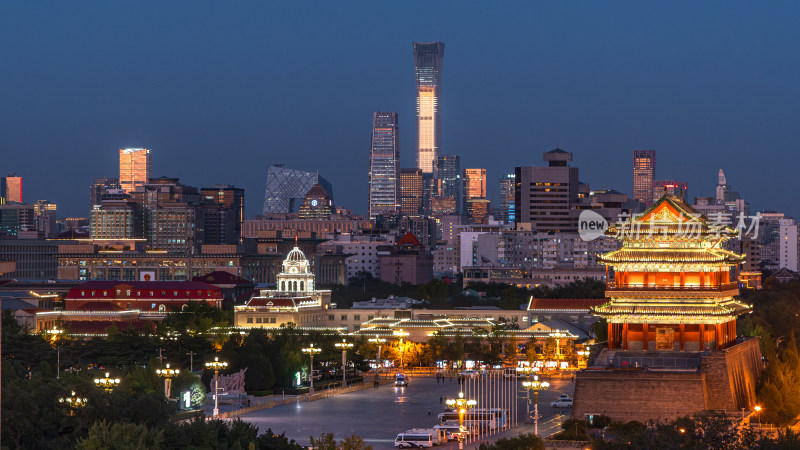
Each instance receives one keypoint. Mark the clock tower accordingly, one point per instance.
(317, 204)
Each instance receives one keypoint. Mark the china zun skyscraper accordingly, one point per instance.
(428, 58)
(384, 165)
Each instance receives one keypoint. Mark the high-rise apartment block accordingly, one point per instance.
(547, 197)
(505, 208)
(135, 167)
(384, 165)
(286, 188)
(788, 245)
(114, 219)
(11, 189)
(644, 172)
(411, 192)
(102, 188)
(223, 214)
(428, 58)
(474, 183)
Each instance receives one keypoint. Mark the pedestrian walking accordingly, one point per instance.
(441, 400)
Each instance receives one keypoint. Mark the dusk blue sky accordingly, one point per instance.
(221, 90)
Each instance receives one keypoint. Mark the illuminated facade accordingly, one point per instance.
(447, 178)
(411, 192)
(644, 172)
(317, 204)
(11, 189)
(672, 287)
(548, 197)
(428, 58)
(384, 165)
(474, 185)
(505, 210)
(295, 300)
(135, 165)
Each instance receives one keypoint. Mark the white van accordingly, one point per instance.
(439, 436)
(452, 430)
(413, 440)
(400, 380)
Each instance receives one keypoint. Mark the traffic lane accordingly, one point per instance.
(377, 415)
(550, 418)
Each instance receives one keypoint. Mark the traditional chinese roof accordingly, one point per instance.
(672, 310)
(669, 219)
(671, 255)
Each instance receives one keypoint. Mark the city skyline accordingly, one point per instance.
(659, 91)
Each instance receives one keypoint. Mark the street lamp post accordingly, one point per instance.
(73, 402)
(216, 365)
(401, 334)
(758, 412)
(379, 341)
(167, 374)
(344, 345)
(55, 334)
(461, 403)
(311, 351)
(535, 386)
(107, 382)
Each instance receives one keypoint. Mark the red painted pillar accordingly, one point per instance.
(645, 335)
(719, 337)
(702, 336)
(610, 336)
(624, 336)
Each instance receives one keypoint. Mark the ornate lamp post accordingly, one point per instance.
(379, 341)
(107, 382)
(535, 386)
(167, 374)
(758, 412)
(344, 345)
(73, 402)
(216, 365)
(461, 403)
(311, 351)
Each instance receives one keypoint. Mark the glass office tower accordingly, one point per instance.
(384, 165)
(428, 58)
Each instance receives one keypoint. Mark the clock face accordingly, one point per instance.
(314, 203)
(293, 270)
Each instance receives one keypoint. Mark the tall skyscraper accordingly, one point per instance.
(505, 209)
(286, 188)
(644, 172)
(135, 166)
(428, 58)
(384, 165)
(411, 192)
(547, 197)
(448, 178)
(223, 209)
(11, 188)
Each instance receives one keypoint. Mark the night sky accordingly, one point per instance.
(221, 90)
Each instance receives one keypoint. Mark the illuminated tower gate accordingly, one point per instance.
(672, 287)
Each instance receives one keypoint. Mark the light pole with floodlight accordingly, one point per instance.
(73, 402)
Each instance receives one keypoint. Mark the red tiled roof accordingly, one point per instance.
(578, 304)
(409, 239)
(93, 306)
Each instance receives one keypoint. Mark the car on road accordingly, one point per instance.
(400, 380)
(563, 401)
(469, 374)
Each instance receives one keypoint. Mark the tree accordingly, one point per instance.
(325, 441)
(122, 436)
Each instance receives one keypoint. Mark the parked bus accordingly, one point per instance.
(413, 440)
